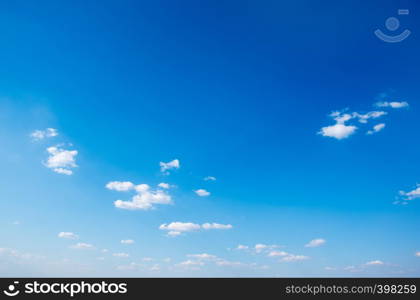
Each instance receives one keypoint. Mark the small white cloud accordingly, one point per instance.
(202, 193)
(417, 254)
(164, 185)
(394, 104)
(82, 246)
(189, 263)
(120, 186)
(292, 258)
(145, 198)
(38, 135)
(277, 253)
(177, 228)
(180, 227)
(363, 118)
(174, 164)
(376, 128)
(262, 247)
(147, 259)
(127, 242)
(61, 160)
(338, 131)
(209, 178)
(122, 255)
(330, 269)
(411, 195)
(227, 263)
(242, 247)
(374, 263)
(208, 226)
(68, 235)
(315, 243)
(203, 256)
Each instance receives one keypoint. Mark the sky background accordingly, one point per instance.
(237, 90)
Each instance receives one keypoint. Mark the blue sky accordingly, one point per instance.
(273, 99)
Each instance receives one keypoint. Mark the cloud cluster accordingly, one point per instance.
(177, 228)
(145, 198)
(341, 129)
(38, 135)
(60, 160)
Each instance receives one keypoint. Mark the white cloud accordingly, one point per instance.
(174, 233)
(145, 198)
(147, 259)
(411, 195)
(292, 258)
(227, 263)
(38, 135)
(363, 118)
(262, 247)
(209, 178)
(180, 227)
(164, 185)
(176, 228)
(122, 255)
(82, 246)
(68, 235)
(203, 256)
(392, 104)
(330, 269)
(315, 243)
(120, 186)
(417, 254)
(242, 247)
(130, 267)
(189, 263)
(127, 242)
(338, 131)
(61, 160)
(376, 128)
(202, 193)
(174, 164)
(277, 253)
(374, 263)
(208, 226)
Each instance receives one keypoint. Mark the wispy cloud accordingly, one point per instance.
(393, 104)
(68, 235)
(38, 135)
(210, 178)
(315, 243)
(82, 246)
(376, 128)
(174, 164)
(127, 242)
(177, 228)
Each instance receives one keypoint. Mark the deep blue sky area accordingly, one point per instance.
(241, 91)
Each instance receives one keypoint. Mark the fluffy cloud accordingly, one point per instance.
(376, 128)
(338, 131)
(121, 255)
(38, 135)
(209, 178)
(363, 118)
(262, 247)
(120, 186)
(242, 247)
(145, 198)
(417, 254)
(82, 246)
(174, 164)
(202, 193)
(164, 185)
(68, 235)
(315, 243)
(374, 263)
(176, 228)
(189, 263)
(392, 104)
(127, 242)
(60, 160)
